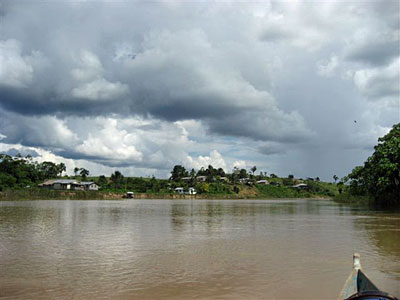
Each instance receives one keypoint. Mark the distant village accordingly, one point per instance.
(23, 173)
(69, 184)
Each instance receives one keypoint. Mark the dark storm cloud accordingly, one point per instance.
(28, 103)
(22, 152)
(275, 34)
(169, 74)
(144, 84)
(376, 53)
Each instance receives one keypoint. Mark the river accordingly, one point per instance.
(192, 249)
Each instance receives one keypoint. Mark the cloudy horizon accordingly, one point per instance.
(303, 88)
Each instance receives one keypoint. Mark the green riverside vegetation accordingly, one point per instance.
(20, 176)
(378, 180)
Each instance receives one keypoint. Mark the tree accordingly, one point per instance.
(178, 172)
(380, 175)
(335, 178)
(61, 168)
(253, 169)
(48, 169)
(221, 172)
(102, 181)
(117, 178)
(243, 173)
(84, 173)
(76, 171)
(291, 176)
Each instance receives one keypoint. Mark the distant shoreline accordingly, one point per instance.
(38, 194)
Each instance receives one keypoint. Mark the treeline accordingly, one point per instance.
(17, 173)
(117, 182)
(378, 180)
(21, 172)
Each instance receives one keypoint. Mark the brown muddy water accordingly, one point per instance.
(199, 249)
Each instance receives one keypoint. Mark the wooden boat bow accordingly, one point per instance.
(358, 286)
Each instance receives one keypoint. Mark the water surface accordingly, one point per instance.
(200, 249)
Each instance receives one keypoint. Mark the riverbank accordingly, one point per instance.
(244, 193)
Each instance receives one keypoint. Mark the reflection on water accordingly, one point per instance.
(175, 249)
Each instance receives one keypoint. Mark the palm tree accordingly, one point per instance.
(253, 169)
(61, 168)
(84, 173)
(335, 178)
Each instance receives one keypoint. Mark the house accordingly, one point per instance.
(186, 179)
(263, 181)
(63, 184)
(47, 184)
(244, 180)
(301, 186)
(224, 179)
(179, 190)
(89, 185)
(201, 178)
(192, 191)
(69, 184)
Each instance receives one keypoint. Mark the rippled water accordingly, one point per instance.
(200, 249)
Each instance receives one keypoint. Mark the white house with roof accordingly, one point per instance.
(201, 178)
(179, 190)
(263, 181)
(190, 191)
(69, 184)
(86, 186)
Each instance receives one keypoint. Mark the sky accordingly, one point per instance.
(293, 87)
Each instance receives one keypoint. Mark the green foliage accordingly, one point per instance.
(84, 173)
(287, 181)
(335, 177)
(117, 180)
(178, 172)
(243, 173)
(102, 181)
(7, 181)
(379, 178)
(253, 169)
(19, 172)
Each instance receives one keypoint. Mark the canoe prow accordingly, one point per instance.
(359, 286)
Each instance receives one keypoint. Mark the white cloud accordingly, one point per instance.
(15, 68)
(100, 89)
(89, 67)
(215, 159)
(92, 84)
(111, 143)
(240, 164)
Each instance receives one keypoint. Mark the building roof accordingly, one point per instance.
(48, 182)
(86, 182)
(300, 185)
(65, 181)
